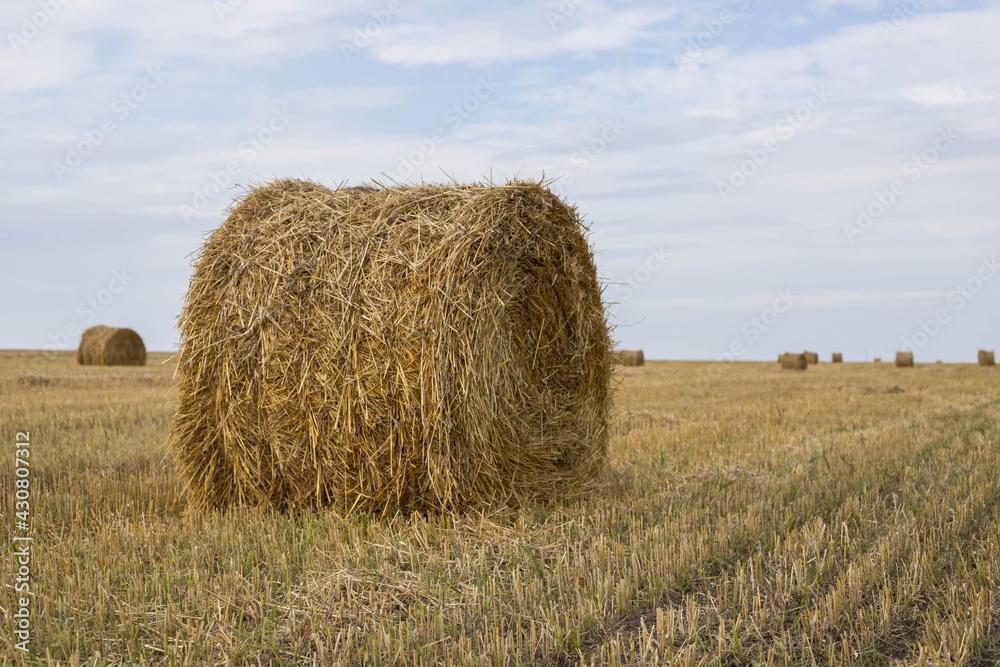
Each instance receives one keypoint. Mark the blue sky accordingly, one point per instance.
(758, 176)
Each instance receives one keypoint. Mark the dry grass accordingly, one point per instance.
(110, 346)
(783, 519)
(381, 348)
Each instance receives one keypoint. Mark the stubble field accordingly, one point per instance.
(844, 515)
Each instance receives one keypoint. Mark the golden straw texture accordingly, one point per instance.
(110, 346)
(372, 348)
(629, 357)
(795, 362)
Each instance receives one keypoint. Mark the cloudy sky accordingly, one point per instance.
(757, 176)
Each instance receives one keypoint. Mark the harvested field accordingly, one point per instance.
(849, 515)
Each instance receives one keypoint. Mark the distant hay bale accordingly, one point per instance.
(811, 357)
(877, 360)
(795, 362)
(904, 360)
(370, 348)
(110, 346)
(986, 358)
(837, 358)
(629, 357)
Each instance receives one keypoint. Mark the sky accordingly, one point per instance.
(758, 177)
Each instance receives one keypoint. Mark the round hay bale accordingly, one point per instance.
(371, 348)
(110, 346)
(811, 357)
(629, 357)
(986, 358)
(904, 360)
(877, 360)
(837, 358)
(794, 362)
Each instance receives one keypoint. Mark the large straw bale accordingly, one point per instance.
(986, 358)
(904, 360)
(370, 348)
(629, 357)
(794, 362)
(110, 346)
(837, 358)
(812, 357)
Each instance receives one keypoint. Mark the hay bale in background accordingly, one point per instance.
(877, 360)
(796, 362)
(421, 347)
(986, 358)
(904, 360)
(811, 357)
(110, 346)
(837, 358)
(629, 357)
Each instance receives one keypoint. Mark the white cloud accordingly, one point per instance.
(329, 100)
(945, 95)
(723, 113)
(69, 44)
(795, 20)
(826, 5)
(518, 36)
